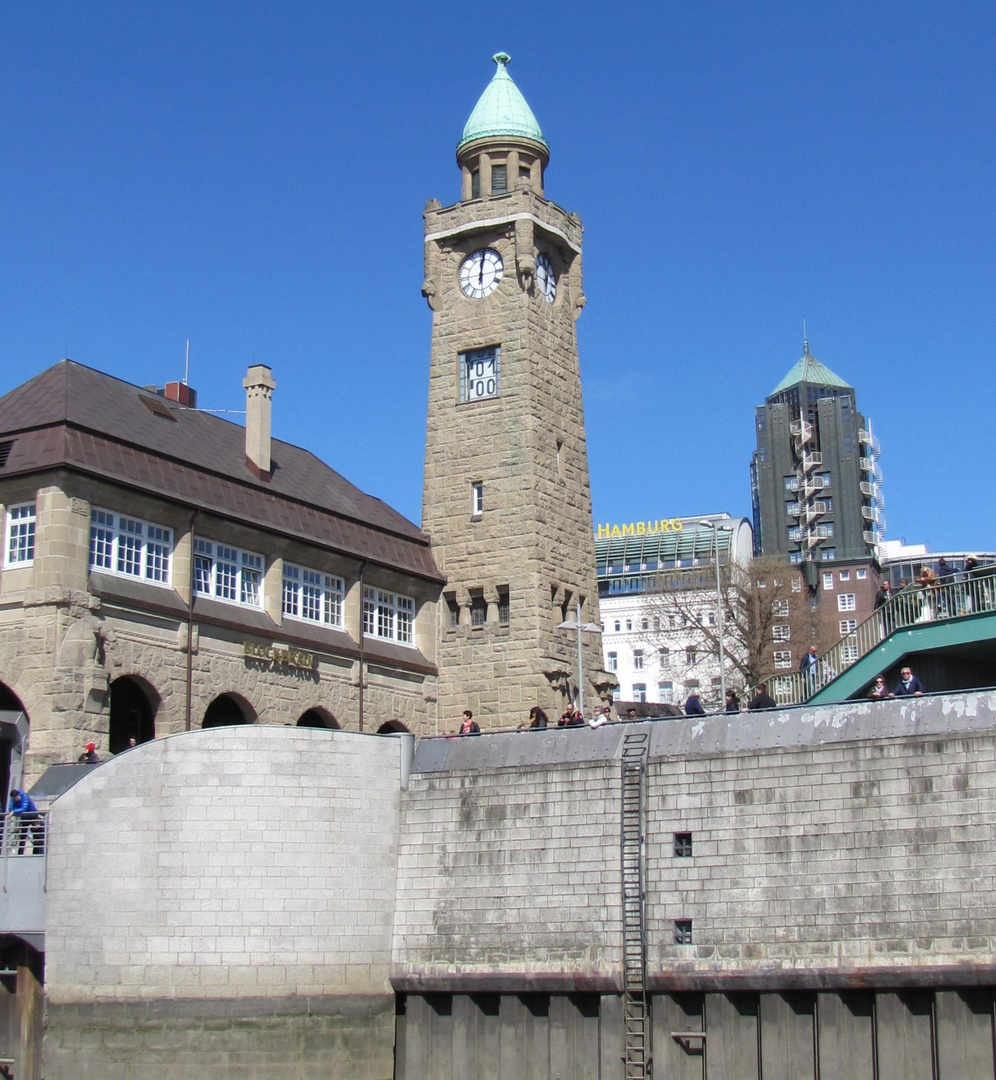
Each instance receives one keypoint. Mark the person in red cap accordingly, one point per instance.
(89, 755)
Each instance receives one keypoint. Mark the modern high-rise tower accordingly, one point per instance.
(815, 480)
(506, 498)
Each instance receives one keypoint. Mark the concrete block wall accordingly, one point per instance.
(508, 872)
(822, 854)
(226, 898)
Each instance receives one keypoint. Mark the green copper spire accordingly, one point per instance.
(809, 370)
(501, 110)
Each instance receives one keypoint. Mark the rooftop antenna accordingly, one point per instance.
(805, 339)
(186, 366)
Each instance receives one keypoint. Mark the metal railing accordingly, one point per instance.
(914, 606)
(25, 834)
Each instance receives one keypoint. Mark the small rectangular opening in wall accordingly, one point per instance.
(5, 451)
(682, 931)
(477, 499)
(453, 610)
(499, 179)
(478, 610)
(475, 185)
(503, 606)
(682, 845)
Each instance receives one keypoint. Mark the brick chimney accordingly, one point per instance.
(259, 386)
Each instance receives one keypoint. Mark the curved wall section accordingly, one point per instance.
(226, 896)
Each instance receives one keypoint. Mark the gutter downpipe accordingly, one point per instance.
(190, 625)
(362, 662)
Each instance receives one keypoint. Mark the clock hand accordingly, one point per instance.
(480, 279)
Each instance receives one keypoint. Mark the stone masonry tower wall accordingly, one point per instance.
(506, 495)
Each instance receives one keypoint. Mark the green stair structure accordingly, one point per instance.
(945, 631)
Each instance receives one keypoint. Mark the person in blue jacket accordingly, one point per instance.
(25, 812)
(693, 707)
(908, 686)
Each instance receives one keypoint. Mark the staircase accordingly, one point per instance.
(636, 745)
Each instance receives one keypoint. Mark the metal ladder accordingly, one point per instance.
(636, 745)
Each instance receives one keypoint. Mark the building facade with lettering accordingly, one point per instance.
(164, 569)
(650, 646)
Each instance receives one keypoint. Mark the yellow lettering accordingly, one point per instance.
(603, 530)
(627, 530)
(641, 528)
(653, 527)
(665, 525)
(676, 524)
(615, 531)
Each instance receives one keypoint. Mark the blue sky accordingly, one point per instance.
(251, 177)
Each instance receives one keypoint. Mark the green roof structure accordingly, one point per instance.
(501, 110)
(809, 370)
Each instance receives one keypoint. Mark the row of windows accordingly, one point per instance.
(826, 554)
(129, 547)
(844, 575)
(479, 608)
(664, 657)
(666, 692)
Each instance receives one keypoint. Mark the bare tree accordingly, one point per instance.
(769, 620)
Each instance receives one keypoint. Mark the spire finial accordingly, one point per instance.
(501, 59)
(805, 339)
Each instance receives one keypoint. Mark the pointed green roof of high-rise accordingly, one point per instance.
(809, 370)
(501, 110)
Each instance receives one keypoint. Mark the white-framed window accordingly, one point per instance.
(828, 581)
(312, 595)
(388, 615)
(780, 608)
(847, 626)
(616, 626)
(665, 655)
(639, 691)
(781, 632)
(227, 573)
(20, 541)
(613, 661)
(665, 692)
(861, 575)
(629, 625)
(845, 575)
(796, 585)
(783, 658)
(846, 602)
(795, 557)
(849, 652)
(132, 548)
(638, 659)
(477, 499)
(828, 554)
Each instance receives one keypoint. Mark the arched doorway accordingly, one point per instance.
(134, 703)
(228, 709)
(317, 717)
(392, 727)
(11, 748)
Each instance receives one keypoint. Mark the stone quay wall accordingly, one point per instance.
(251, 900)
(223, 901)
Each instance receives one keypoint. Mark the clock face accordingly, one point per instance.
(480, 374)
(546, 279)
(480, 273)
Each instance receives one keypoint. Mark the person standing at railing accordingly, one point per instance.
(882, 598)
(879, 692)
(468, 725)
(927, 580)
(25, 813)
(808, 667)
(908, 686)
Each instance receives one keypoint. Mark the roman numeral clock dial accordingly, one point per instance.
(481, 273)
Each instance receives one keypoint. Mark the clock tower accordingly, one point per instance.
(506, 499)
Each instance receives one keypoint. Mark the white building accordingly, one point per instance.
(661, 664)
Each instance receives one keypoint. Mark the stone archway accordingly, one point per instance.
(134, 704)
(317, 717)
(9, 702)
(228, 709)
(393, 727)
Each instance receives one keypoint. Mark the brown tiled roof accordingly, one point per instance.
(73, 416)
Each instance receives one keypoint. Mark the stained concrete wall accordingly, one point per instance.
(249, 900)
(224, 900)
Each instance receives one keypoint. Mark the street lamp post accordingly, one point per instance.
(591, 628)
(719, 612)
